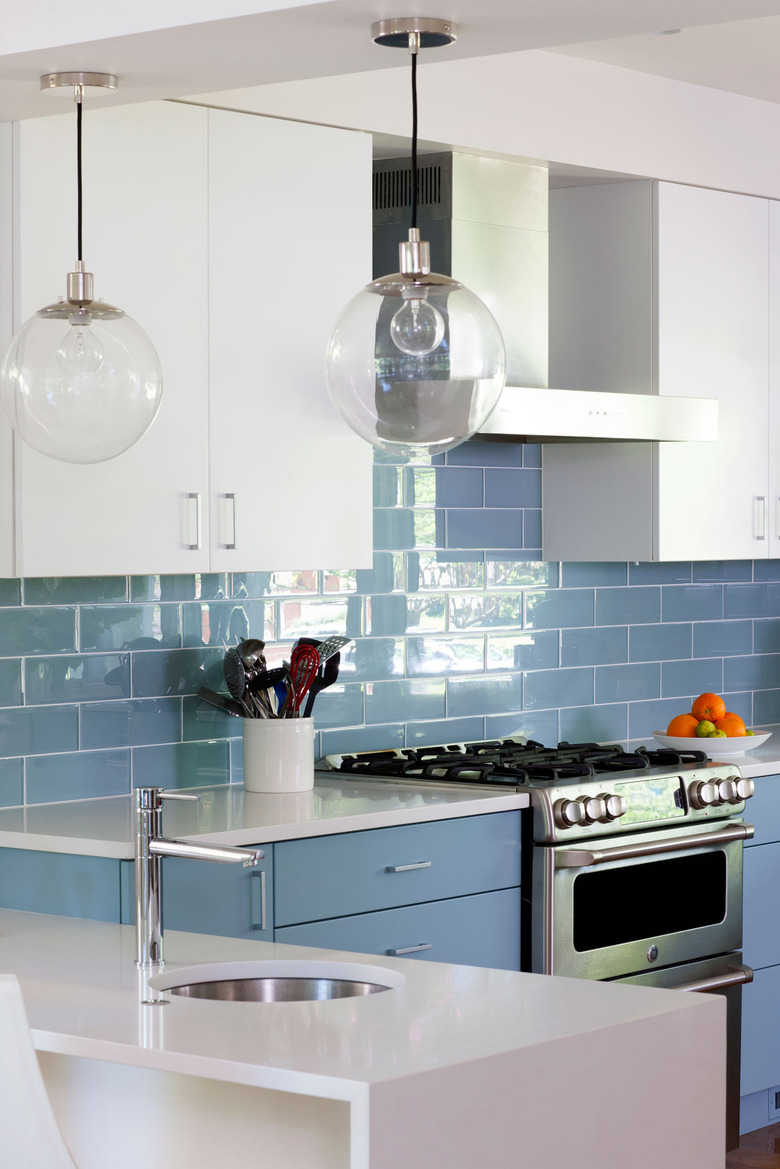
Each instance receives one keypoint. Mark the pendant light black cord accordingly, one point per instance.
(414, 139)
(79, 104)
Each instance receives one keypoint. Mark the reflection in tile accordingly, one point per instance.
(451, 730)
(334, 581)
(226, 622)
(182, 765)
(514, 574)
(37, 631)
(272, 584)
(539, 725)
(317, 618)
(131, 723)
(426, 613)
(387, 486)
(80, 678)
(350, 739)
(486, 611)
(557, 608)
(444, 655)
(339, 706)
(387, 575)
(428, 528)
(565, 687)
(692, 677)
(393, 529)
(762, 569)
(129, 627)
(484, 694)
(402, 701)
(659, 573)
(628, 683)
(10, 682)
(10, 591)
(387, 614)
(526, 650)
(595, 724)
(11, 782)
(372, 659)
(68, 590)
(80, 776)
(201, 720)
(176, 671)
(38, 730)
(435, 571)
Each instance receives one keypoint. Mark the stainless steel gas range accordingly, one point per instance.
(631, 863)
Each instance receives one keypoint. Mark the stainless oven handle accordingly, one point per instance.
(578, 858)
(736, 976)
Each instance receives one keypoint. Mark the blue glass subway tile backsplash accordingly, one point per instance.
(460, 632)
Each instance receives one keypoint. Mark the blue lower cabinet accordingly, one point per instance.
(761, 1031)
(762, 810)
(481, 930)
(60, 883)
(206, 898)
(761, 906)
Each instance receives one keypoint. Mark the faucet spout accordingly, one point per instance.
(151, 845)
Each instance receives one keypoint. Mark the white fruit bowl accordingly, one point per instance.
(713, 747)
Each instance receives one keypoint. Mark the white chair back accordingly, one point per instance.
(29, 1136)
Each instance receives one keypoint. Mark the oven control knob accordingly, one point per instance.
(704, 795)
(727, 790)
(568, 813)
(595, 809)
(616, 807)
(745, 788)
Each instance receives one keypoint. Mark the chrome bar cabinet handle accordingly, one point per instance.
(194, 497)
(230, 498)
(736, 976)
(408, 868)
(759, 505)
(253, 887)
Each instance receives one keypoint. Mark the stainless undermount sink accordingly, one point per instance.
(277, 980)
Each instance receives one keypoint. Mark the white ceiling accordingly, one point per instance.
(728, 44)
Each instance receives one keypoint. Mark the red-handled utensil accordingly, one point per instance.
(304, 664)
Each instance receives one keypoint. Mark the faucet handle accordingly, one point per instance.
(162, 795)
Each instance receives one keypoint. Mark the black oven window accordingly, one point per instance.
(626, 903)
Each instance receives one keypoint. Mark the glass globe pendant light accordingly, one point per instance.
(415, 362)
(80, 381)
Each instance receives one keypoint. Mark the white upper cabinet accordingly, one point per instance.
(234, 240)
(658, 288)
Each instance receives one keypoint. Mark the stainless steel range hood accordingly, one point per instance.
(486, 220)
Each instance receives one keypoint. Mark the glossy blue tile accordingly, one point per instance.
(484, 527)
(341, 705)
(723, 570)
(201, 720)
(532, 530)
(132, 723)
(595, 724)
(766, 636)
(757, 672)
(659, 573)
(485, 611)
(444, 655)
(657, 643)
(67, 590)
(558, 608)
(751, 600)
(387, 486)
(437, 571)
(372, 659)
(741, 702)
(594, 647)
(39, 630)
(387, 575)
(10, 682)
(646, 717)
(106, 627)
(451, 730)
(713, 639)
(507, 487)
(182, 765)
(692, 677)
(83, 775)
(180, 587)
(78, 678)
(532, 454)
(590, 575)
(565, 687)
(404, 700)
(539, 725)
(38, 730)
(691, 602)
(350, 739)
(523, 650)
(184, 671)
(453, 487)
(269, 584)
(426, 614)
(627, 606)
(393, 529)
(10, 591)
(225, 622)
(11, 782)
(766, 708)
(486, 454)
(389, 615)
(338, 581)
(484, 694)
(519, 574)
(765, 570)
(628, 683)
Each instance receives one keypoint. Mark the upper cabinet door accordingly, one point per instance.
(145, 239)
(289, 246)
(773, 508)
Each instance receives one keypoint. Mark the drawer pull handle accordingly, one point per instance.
(760, 517)
(194, 498)
(230, 500)
(407, 868)
(409, 949)
(253, 887)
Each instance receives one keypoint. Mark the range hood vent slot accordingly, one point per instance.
(393, 188)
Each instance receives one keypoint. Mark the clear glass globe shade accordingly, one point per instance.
(415, 403)
(81, 386)
(417, 327)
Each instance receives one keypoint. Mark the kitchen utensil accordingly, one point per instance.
(304, 663)
(251, 651)
(229, 705)
(326, 676)
(714, 747)
(326, 648)
(235, 680)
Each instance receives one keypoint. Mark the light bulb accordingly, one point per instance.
(417, 328)
(79, 352)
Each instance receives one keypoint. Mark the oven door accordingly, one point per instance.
(622, 905)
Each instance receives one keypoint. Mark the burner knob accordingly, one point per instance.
(616, 807)
(727, 790)
(704, 795)
(745, 788)
(568, 813)
(595, 809)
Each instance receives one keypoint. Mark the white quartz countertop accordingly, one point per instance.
(84, 995)
(764, 760)
(231, 815)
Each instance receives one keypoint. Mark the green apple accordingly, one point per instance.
(705, 729)
(717, 735)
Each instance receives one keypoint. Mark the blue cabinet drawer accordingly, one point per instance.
(761, 905)
(481, 930)
(206, 898)
(334, 876)
(761, 1031)
(59, 883)
(762, 810)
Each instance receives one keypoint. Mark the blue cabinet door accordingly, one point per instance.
(206, 898)
(761, 1031)
(481, 930)
(762, 810)
(60, 883)
(333, 876)
(761, 905)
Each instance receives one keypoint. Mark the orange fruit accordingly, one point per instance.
(683, 725)
(732, 724)
(708, 706)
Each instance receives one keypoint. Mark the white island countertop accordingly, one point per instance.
(231, 815)
(452, 1066)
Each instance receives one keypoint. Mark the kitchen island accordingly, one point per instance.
(453, 1066)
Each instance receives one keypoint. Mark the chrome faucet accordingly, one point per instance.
(150, 846)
